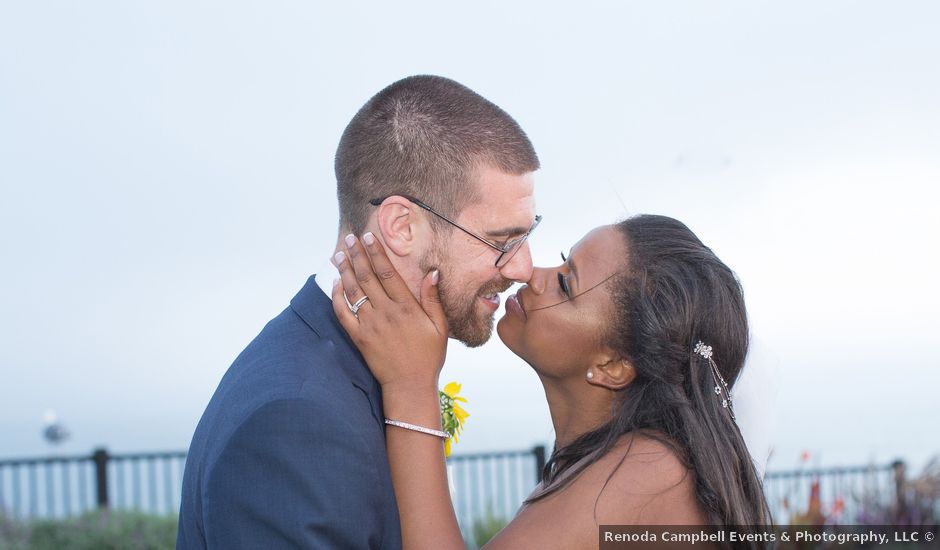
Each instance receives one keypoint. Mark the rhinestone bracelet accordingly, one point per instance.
(422, 429)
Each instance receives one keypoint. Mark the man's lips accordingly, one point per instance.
(491, 297)
(491, 301)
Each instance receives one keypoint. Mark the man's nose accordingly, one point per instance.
(519, 268)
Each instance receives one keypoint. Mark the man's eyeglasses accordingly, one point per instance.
(506, 251)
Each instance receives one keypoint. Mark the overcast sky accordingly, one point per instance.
(167, 186)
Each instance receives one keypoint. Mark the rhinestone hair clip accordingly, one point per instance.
(720, 385)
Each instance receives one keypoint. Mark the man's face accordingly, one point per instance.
(470, 281)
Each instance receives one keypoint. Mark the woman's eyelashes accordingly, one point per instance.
(562, 280)
(563, 283)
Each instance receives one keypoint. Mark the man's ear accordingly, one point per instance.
(399, 225)
(615, 374)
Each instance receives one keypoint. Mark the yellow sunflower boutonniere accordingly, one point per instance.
(452, 414)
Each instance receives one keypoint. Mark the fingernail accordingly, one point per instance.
(338, 258)
(368, 238)
(350, 239)
(434, 276)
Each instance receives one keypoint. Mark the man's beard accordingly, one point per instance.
(465, 323)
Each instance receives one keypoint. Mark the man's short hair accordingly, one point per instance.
(424, 136)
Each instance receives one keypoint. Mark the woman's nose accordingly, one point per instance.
(539, 280)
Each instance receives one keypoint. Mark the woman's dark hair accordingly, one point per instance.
(673, 293)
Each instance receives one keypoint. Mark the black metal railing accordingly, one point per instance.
(492, 485)
(846, 495)
(63, 486)
(483, 485)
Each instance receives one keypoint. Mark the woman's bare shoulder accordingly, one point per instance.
(644, 480)
(641, 481)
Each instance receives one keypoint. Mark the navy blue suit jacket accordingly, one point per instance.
(290, 452)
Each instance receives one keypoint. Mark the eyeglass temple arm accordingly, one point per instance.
(378, 202)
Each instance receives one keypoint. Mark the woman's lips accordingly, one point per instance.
(515, 305)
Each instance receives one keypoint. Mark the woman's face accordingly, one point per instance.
(559, 322)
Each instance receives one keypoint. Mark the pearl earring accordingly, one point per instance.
(590, 375)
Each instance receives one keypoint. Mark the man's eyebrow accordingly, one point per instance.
(507, 232)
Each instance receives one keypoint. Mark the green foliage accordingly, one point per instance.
(91, 531)
(449, 420)
(13, 534)
(486, 527)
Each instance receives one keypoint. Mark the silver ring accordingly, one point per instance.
(355, 307)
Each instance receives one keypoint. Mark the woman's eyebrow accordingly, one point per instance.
(573, 268)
